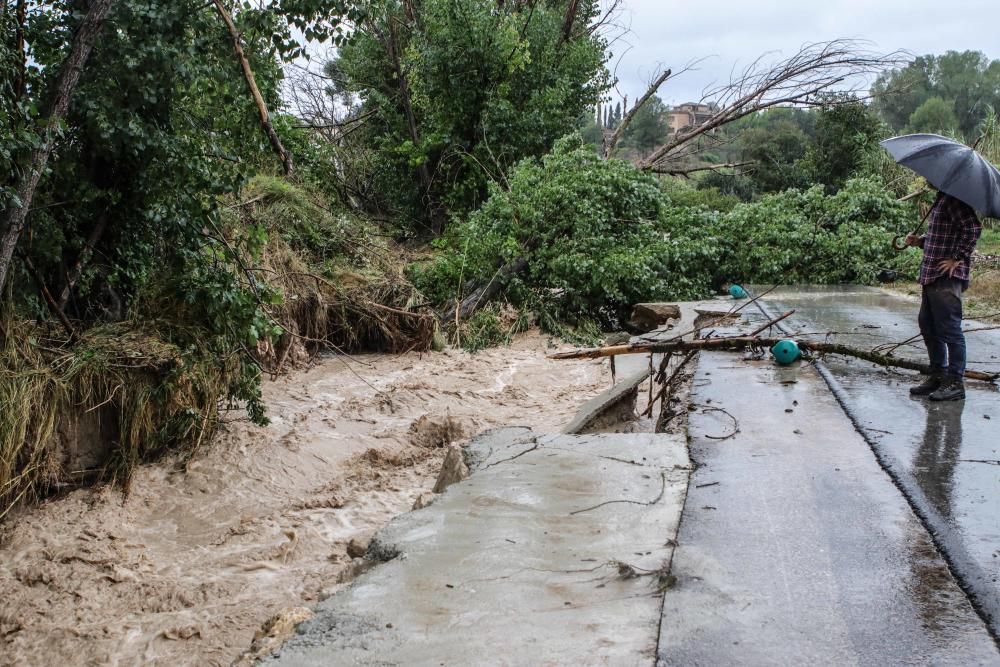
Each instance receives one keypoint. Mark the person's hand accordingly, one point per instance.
(912, 241)
(949, 266)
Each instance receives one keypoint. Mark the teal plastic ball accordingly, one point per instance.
(737, 292)
(786, 352)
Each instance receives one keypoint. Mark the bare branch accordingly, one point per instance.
(265, 117)
(840, 65)
(612, 142)
(679, 171)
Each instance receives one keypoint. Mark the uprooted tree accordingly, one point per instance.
(818, 75)
(807, 78)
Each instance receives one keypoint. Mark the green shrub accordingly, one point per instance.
(599, 236)
(593, 232)
(808, 237)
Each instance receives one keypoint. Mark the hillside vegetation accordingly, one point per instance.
(181, 220)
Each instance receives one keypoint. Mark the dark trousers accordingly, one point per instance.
(941, 325)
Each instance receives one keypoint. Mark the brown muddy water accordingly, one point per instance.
(194, 564)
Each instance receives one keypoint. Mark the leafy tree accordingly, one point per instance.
(810, 237)
(846, 136)
(935, 115)
(648, 127)
(598, 236)
(461, 90)
(897, 93)
(595, 233)
(967, 79)
(740, 186)
(126, 222)
(591, 131)
(775, 151)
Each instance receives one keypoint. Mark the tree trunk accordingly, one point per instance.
(484, 293)
(392, 47)
(69, 76)
(571, 11)
(81, 262)
(736, 343)
(265, 117)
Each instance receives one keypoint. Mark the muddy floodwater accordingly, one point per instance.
(196, 562)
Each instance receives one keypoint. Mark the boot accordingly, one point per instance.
(930, 384)
(951, 389)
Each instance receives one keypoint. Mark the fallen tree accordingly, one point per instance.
(739, 343)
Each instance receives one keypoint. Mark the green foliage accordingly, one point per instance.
(775, 151)
(648, 129)
(738, 185)
(492, 326)
(591, 132)
(966, 80)
(161, 127)
(847, 134)
(935, 115)
(809, 237)
(599, 236)
(486, 84)
(293, 214)
(681, 194)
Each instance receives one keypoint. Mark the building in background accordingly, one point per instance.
(689, 114)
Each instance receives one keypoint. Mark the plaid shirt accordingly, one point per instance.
(952, 233)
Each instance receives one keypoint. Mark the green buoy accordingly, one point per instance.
(786, 352)
(737, 292)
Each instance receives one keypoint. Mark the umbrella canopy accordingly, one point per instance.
(951, 167)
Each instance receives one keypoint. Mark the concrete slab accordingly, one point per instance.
(613, 406)
(795, 547)
(519, 564)
(692, 312)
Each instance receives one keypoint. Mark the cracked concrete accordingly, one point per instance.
(549, 554)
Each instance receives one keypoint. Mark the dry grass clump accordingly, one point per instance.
(983, 297)
(157, 398)
(341, 286)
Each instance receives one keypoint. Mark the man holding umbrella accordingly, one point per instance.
(945, 271)
(966, 182)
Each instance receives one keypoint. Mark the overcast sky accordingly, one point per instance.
(735, 32)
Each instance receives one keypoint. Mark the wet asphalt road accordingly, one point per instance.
(944, 457)
(795, 547)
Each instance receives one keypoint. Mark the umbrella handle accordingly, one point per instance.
(900, 247)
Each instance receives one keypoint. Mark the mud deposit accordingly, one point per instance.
(210, 565)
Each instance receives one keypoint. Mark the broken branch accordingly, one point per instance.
(694, 170)
(612, 142)
(265, 117)
(738, 343)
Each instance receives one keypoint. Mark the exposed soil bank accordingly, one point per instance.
(194, 563)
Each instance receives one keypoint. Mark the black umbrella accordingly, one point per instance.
(951, 167)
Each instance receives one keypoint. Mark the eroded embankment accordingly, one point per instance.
(192, 564)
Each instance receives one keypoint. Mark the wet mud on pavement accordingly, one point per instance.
(945, 457)
(795, 547)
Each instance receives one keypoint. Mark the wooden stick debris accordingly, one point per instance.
(765, 327)
(737, 343)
